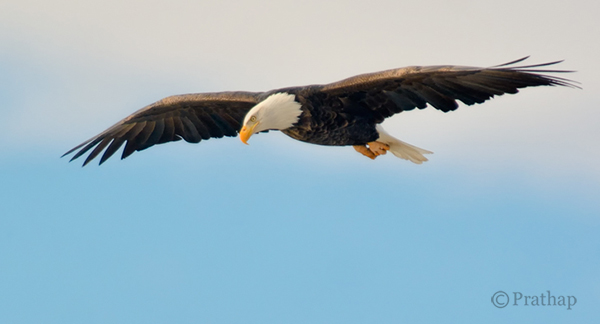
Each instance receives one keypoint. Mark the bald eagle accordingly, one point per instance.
(343, 113)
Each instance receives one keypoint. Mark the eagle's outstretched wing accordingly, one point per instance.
(393, 91)
(193, 117)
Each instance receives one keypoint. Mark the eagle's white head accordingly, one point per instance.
(279, 111)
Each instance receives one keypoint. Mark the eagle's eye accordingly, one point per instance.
(253, 119)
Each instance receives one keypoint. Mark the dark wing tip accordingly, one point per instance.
(512, 62)
(535, 69)
(529, 66)
(88, 145)
(73, 150)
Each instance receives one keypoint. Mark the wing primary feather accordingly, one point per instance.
(128, 150)
(529, 67)
(140, 140)
(467, 95)
(190, 133)
(200, 125)
(223, 125)
(235, 124)
(488, 89)
(401, 101)
(97, 150)
(168, 132)
(409, 92)
(159, 127)
(87, 147)
(436, 99)
(558, 81)
(134, 131)
(513, 62)
(143, 136)
(124, 129)
(75, 148)
(526, 81)
(213, 129)
(130, 137)
(112, 148)
(178, 126)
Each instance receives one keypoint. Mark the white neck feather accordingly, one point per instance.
(279, 111)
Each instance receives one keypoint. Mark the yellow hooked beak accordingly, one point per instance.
(246, 132)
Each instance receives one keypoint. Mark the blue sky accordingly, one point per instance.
(281, 231)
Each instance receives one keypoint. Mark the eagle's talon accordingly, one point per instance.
(362, 149)
(378, 148)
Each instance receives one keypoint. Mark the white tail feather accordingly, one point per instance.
(401, 149)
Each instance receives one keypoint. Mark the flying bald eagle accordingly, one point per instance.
(348, 112)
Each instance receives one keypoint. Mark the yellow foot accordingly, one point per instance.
(374, 150)
(362, 149)
(378, 148)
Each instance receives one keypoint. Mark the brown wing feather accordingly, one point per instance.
(441, 86)
(193, 117)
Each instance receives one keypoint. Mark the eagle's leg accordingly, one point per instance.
(374, 150)
(378, 148)
(362, 149)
